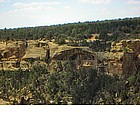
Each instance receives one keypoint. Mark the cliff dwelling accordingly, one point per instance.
(82, 57)
(123, 58)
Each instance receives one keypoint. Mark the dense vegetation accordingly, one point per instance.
(78, 33)
(63, 83)
(67, 85)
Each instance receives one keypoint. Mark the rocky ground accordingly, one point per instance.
(27, 52)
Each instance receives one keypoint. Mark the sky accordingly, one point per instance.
(28, 13)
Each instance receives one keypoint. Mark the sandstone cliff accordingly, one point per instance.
(125, 57)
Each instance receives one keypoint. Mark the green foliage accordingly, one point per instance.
(78, 31)
(67, 85)
(60, 41)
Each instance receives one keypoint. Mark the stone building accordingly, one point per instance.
(82, 57)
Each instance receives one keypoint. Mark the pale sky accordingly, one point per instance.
(26, 13)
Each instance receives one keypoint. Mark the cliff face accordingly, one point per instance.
(123, 58)
(11, 53)
(126, 58)
(20, 54)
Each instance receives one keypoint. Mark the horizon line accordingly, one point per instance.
(76, 22)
